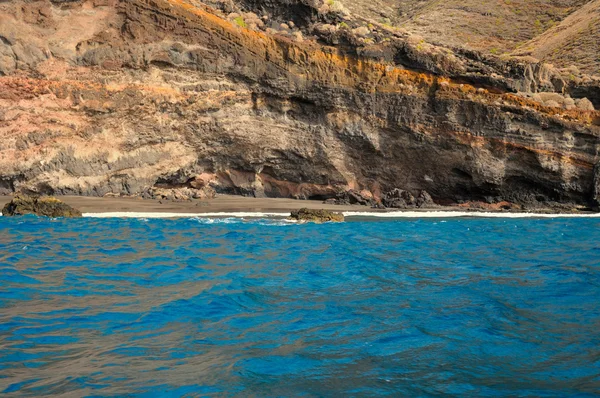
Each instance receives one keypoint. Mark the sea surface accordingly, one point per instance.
(254, 307)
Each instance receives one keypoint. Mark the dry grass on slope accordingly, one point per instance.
(496, 26)
(573, 42)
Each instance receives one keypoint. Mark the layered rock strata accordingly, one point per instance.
(110, 97)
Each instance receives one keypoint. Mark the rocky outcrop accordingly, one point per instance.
(597, 185)
(401, 199)
(318, 216)
(41, 206)
(353, 197)
(148, 97)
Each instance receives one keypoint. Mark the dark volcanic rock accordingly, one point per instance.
(398, 199)
(597, 184)
(42, 206)
(352, 197)
(316, 215)
(401, 199)
(425, 200)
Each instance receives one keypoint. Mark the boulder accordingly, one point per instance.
(424, 200)
(398, 199)
(181, 194)
(552, 104)
(353, 197)
(401, 199)
(42, 206)
(556, 97)
(316, 215)
(569, 103)
(584, 104)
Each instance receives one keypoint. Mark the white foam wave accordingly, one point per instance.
(184, 215)
(348, 214)
(455, 214)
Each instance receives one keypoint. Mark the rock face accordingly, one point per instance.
(597, 183)
(316, 216)
(41, 206)
(174, 98)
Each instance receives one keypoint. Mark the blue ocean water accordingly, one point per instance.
(231, 307)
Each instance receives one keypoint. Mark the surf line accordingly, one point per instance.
(348, 214)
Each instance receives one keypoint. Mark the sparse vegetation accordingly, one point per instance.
(502, 24)
(572, 41)
(239, 21)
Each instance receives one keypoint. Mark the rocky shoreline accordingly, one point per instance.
(235, 203)
(48, 206)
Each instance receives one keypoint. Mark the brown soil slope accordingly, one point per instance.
(575, 42)
(496, 26)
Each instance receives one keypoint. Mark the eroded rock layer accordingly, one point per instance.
(126, 97)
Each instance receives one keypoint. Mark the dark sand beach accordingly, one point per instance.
(222, 203)
(242, 204)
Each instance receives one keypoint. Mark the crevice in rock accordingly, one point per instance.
(5, 41)
(462, 174)
(161, 64)
(7, 185)
(322, 197)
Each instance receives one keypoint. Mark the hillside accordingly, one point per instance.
(575, 42)
(496, 26)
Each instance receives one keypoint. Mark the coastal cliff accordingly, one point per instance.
(168, 97)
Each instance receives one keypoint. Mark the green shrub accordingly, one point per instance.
(239, 21)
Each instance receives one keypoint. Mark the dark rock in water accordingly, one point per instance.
(368, 108)
(316, 215)
(42, 206)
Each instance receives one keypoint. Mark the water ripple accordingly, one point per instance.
(247, 307)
